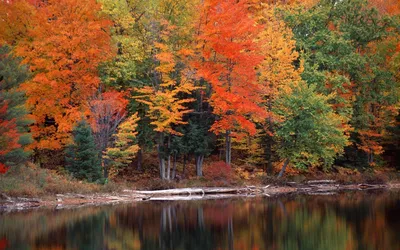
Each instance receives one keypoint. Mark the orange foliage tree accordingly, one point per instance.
(15, 20)
(227, 61)
(66, 43)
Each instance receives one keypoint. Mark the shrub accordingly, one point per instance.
(218, 171)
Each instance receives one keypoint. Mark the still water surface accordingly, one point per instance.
(367, 221)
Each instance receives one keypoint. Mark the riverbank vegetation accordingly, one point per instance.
(96, 95)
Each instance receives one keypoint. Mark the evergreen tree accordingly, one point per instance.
(12, 74)
(82, 157)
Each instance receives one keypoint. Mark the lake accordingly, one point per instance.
(353, 220)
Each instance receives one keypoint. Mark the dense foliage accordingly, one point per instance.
(304, 83)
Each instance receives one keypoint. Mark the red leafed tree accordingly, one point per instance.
(227, 61)
(8, 135)
(108, 111)
(64, 48)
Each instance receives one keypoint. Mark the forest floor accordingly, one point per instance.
(30, 187)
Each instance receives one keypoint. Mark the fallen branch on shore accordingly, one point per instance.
(314, 187)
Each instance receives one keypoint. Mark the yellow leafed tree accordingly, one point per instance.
(125, 145)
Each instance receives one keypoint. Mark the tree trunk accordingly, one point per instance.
(174, 168)
(169, 160)
(162, 167)
(105, 168)
(370, 158)
(269, 166)
(268, 152)
(139, 160)
(169, 168)
(228, 148)
(283, 168)
(184, 166)
(105, 172)
(160, 156)
(199, 165)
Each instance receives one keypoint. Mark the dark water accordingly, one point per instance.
(347, 221)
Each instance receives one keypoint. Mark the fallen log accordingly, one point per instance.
(187, 191)
(321, 182)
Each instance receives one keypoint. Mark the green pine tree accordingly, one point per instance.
(82, 157)
(12, 74)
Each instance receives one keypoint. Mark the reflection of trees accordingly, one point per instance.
(173, 227)
(314, 230)
(46, 227)
(87, 233)
(350, 221)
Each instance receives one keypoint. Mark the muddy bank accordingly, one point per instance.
(69, 200)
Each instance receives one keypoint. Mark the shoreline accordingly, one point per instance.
(74, 200)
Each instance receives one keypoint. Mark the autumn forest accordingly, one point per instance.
(172, 89)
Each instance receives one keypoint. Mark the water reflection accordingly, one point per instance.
(347, 221)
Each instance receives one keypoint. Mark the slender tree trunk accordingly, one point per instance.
(169, 160)
(184, 166)
(169, 168)
(105, 168)
(268, 152)
(199, 165)
(174, 168)
(139, 160)
(162, 167)
(370, 157)
(283, 168)
(160, 156)
(268, 155)
(228, 148)
(269, 166)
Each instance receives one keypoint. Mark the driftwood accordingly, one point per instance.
(185, 191)
(68, 200)
(321, 182)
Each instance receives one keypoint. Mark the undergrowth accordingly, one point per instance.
(31, 181)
